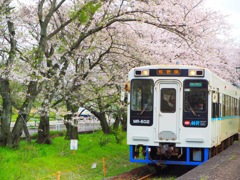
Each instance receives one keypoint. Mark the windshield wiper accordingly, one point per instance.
(194, 113)
(144, 109)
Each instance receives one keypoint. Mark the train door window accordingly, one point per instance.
(141, 95)
(215, 109)
(168, 100)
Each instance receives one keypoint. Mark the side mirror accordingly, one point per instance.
(127, 86)
(125, 90)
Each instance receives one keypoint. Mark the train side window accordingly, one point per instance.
(229, 106)
(220, 109)
(235, 107)
(238, 107)
(226, 105)
(213, 110)
(223, 105)
(168, 100)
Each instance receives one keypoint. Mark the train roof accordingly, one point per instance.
(215, 81)
(180, 66)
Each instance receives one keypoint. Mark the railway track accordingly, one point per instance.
(151, 172)
(148, 176)
(228, 157)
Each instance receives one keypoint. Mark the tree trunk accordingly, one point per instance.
(72, 130)
(27, 134)
(17, 129)
(6, 115)
(67, 120)
(116, 122)
(6, 135)
(44, 130)
(71, 126)
(103, 121)
(124, 121)
(70, 122)
(104, 124)
(24, 111)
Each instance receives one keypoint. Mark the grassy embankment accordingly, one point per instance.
(34, 161)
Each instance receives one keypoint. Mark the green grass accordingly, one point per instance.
(34, 161)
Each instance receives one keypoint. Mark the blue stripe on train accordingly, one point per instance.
(225, 118)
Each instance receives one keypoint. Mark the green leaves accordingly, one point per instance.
(84, 14)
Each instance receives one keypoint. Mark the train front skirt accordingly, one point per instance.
(186, 161)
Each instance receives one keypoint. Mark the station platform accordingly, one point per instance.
(224, 166)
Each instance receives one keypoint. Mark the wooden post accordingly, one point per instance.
(58, 175)
(104, 167)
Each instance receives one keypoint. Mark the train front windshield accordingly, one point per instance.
(195, 103)
(141, 113)
(142, 95)
(195, 94)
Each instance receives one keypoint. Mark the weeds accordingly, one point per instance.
(119, 136)
(104, 140)
(35, 161)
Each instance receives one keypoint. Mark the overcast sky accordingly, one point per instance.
(231, 8)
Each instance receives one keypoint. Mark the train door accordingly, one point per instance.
(215, 109)
(169, 110)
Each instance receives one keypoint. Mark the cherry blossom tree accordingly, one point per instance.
(7, 53)
(186, 30)
(140, 43)
(79, 53)
(50, 26)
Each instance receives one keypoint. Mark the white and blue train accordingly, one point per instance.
(180, 114)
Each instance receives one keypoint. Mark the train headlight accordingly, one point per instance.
(196, 72)
(142, 72)
(145, 72)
